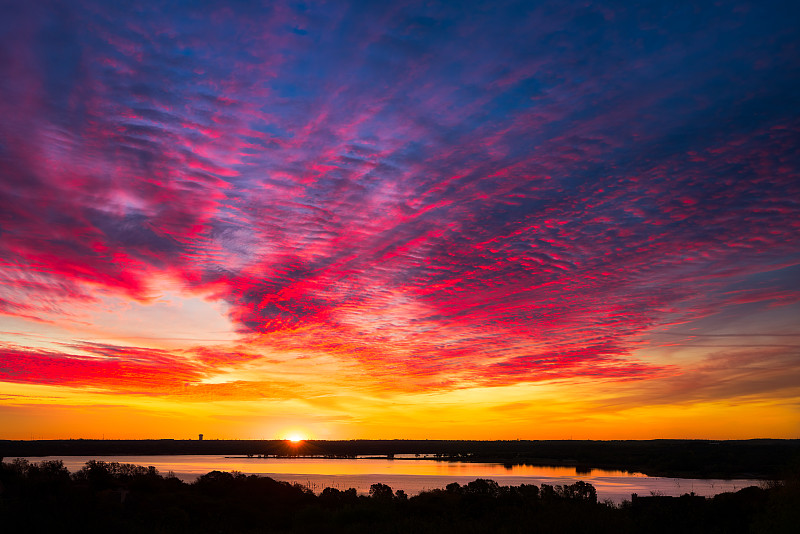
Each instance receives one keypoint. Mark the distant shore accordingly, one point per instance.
(755, 459)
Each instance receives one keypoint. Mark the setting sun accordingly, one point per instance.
(295, 438)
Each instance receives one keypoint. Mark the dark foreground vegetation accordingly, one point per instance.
(124, 498)
(758, 458)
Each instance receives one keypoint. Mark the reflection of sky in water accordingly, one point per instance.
(413, 475)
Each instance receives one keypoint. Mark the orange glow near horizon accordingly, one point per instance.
(518, 412)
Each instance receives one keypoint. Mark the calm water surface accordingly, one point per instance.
(413, 475)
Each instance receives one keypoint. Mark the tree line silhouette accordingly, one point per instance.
(119, 497)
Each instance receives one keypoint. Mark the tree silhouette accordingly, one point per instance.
(579, 491)
(381, 492)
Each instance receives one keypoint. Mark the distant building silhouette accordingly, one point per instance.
(201, 437)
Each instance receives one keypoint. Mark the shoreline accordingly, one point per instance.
(700, 459)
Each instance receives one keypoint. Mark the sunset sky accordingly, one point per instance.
(478, 220)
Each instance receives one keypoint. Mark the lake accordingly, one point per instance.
(414, 475)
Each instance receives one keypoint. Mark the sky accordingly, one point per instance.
(443, 220)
